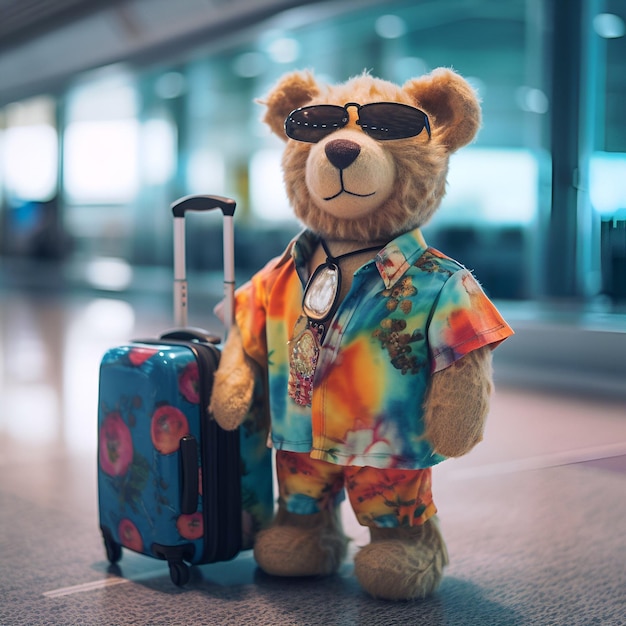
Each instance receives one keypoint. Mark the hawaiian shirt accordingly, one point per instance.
(411, 311)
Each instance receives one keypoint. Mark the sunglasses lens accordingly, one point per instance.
(315, 122)
(390, 120)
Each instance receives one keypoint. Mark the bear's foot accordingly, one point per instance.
(301, 545)
(404, 563)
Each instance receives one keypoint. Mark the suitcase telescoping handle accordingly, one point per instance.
(203, 203)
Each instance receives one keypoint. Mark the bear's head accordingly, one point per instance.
(360, 172)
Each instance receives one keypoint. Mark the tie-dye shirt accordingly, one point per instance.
(411, 311)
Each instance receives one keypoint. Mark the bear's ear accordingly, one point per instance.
(291, 92)
(451, 104)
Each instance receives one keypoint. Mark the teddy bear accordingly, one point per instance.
(375, 348)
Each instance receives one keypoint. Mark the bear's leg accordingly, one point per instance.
(407, 553)
(402, 563)
(306, 537)
(301, 545)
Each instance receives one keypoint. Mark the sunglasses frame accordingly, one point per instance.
(326, 129)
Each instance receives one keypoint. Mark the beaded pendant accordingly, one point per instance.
(303, 356)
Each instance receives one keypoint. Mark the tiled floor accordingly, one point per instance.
(534, 517)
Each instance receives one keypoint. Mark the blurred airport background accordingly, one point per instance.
(110, 110)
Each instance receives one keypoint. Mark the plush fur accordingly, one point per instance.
(402, 563)
(390, 188)
(233, 383)
(457, 404)
(301, 545)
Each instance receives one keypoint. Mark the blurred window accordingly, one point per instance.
(30, 151)
(268, 201)
(607, 163)
(608, 183)
(101, 161)
(205, 171)
(101, 143)
(158, 150)
(508, 197)
(607, 176)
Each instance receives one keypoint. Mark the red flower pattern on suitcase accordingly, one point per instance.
(115, 446)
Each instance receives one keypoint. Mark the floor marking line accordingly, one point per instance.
(545, 461)
(101, 584)
(96, 584)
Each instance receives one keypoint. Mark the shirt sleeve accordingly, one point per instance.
(251, 301)
(463, 320)
(250, 317)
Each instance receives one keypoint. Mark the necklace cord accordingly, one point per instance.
(335, 259)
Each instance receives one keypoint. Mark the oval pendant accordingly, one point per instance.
(322, 292)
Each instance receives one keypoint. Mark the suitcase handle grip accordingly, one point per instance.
(189, 474)
(203, 203)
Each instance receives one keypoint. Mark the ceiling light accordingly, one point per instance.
(609, 25)
(390, 26)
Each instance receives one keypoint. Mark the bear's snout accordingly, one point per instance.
(342, 152)
(349, 175)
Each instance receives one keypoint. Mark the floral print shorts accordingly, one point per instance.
(379, 497)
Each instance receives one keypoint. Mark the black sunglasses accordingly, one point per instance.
(380, 120)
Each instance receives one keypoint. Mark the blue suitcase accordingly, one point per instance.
(171, 483)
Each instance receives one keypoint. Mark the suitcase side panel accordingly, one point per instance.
(220, 474)
(139, 485)
(148, 400)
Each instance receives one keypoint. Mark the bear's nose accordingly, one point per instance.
(342, 152)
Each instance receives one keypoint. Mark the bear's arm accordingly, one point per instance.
(457, 403)
(233, 385)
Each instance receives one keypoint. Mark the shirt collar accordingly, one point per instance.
(398, 255)
(392, 261)
(304, 247)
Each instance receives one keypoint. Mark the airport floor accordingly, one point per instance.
(534, 517)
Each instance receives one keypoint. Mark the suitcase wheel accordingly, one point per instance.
(179, 573)
(113, 549)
